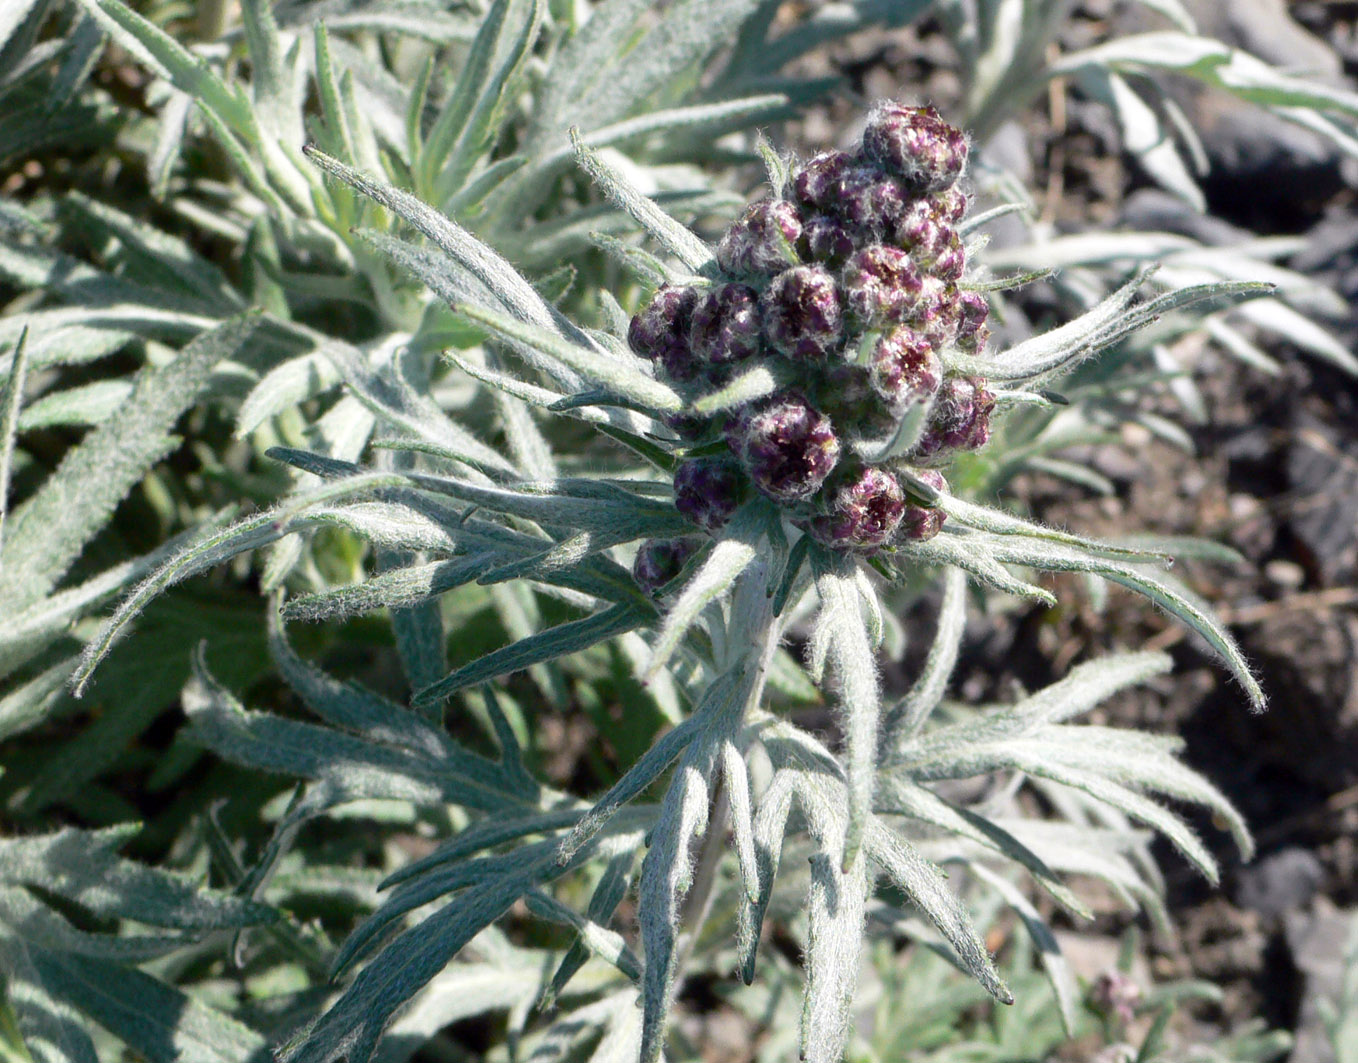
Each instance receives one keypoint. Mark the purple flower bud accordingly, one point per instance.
(869, 199)
(862, 513)
(972, 310)
(920, 229)
(826, 240)
(707, 491)
(934, 314)
(660, 330)
(916, 144)
(905, 370)
(658, 561)
(763, 240)
(950, 260)
(961, 417)
(881, 285)
(787, 446)
(951, 204)
(802, 316)
(725, 325)
(919, 523)
(818, 183)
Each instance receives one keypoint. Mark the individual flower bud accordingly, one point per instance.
(935, 315)
(972, 310)
(948, 261)
(916, 144)
(869, 199)
(763, 240)
(861, 513)
(950, 204)
(658, 561)
(786, 445)
(802, 315)
(918, 226)
(961, 417)
(725, 326)
(660, 330)
(818, 183)
(826, 240)
(905, 370)
(919, 523)
(707, 491)
(881, 285)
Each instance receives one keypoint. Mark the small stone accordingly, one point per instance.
(707, 491)
(802, 313)
(762, 241)
(786, 445)
(862, 513)
(725, 325)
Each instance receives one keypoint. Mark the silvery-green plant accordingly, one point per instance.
(787, 547)
(551, 450)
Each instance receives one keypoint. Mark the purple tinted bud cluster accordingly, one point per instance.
(849, 289)
(658, 561)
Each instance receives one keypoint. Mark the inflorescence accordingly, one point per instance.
(850, 288)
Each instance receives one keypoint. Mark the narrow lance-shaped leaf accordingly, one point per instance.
(624, 377)
(681, 243)
(835, 914)
(731, 556)
(48, 532)
(10, 401)
(559, 641)
(155, 1020)
(925, 885)
(491, 270)
(666, 876)
(855, 667)
(209, 549)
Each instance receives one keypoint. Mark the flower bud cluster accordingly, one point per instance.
(849, 289)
